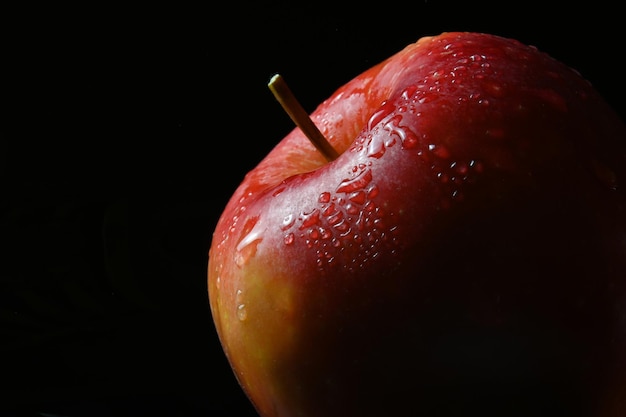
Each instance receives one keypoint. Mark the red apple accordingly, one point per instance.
(465, 254)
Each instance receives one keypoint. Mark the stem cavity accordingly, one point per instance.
(300, 117)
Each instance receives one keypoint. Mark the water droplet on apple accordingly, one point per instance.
(251, 237)
(460, 167)
(352, 209)
(289, 238)
(356, 183)
(242, 312)
(310, 219)
(343, 228)
(329, 210)
(427, 98)
(410, 140)
(278, 191)
(405, 134)
(440, 151)
(287, 222)
(358, 197)
(376, 147)
(385, 110)
(456, 176)
(408, 92)
(335, 218)
(457, 195)
(476, 166)
(324, 197)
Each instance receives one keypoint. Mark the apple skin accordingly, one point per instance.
(465, 253)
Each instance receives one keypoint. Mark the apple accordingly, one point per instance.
(461, 250)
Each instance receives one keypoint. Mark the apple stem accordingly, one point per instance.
(294, 109)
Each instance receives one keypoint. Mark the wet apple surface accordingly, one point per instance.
(463, 253)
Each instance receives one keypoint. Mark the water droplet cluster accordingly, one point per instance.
(242, 311)
(450, 173)
(347, 219)
(234, 221)
(250, 238)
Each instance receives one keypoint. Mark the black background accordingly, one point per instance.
(125, 131)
